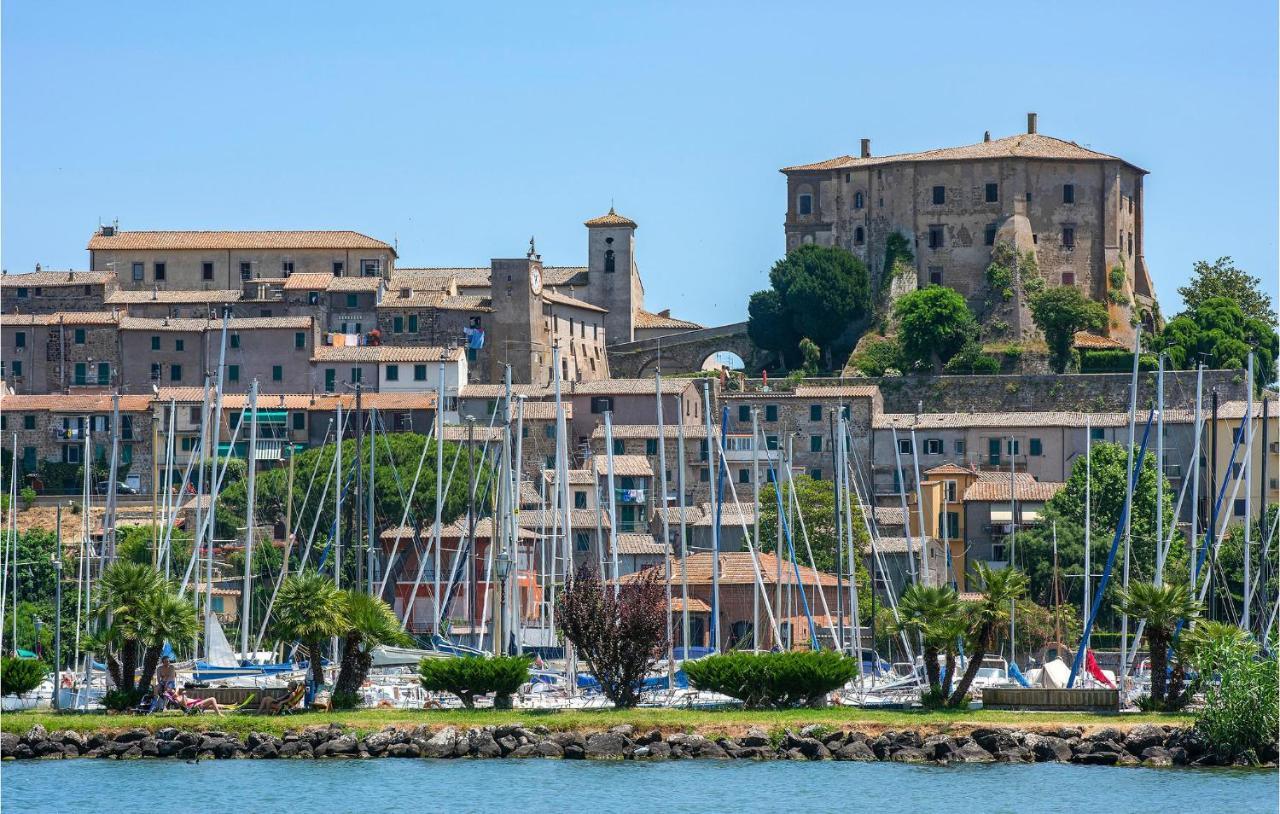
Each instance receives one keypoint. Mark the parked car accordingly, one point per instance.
(122, 488)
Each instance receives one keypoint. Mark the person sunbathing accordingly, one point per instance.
(286, 702)
(189, 704)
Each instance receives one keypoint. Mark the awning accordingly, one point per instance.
(1001, 516)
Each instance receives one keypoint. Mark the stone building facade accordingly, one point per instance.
(48, 292)
(1077, 211)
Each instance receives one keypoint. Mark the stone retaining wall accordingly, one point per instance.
(1147, 745)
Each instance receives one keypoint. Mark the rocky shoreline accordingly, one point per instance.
(1144, 745)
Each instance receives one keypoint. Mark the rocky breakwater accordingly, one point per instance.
(1145, 745)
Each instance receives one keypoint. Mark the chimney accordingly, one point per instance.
(866, 148)
(986, 135)
(1031, 123)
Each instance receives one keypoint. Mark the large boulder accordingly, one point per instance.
(1143, 737)
(971, 752)
(403, 750)
(995, 740)
(855, 750)
(8, 744)
(481, 744)
(1048, 748)
(908, 754)
(549, 748)
(441, 744)
(611, 745)
(755, 737)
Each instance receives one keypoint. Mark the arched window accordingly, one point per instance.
(608, 262)
(859, 236)
(857, 200)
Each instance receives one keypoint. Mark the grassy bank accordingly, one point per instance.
(707, 722)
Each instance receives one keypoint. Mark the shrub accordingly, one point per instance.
(1116, 277)
(119, 700)
(1242, 713)
(877, 356)
(1114, 361)
(972, 361)
(28, 497)
(773, 680)
(471, 676)
(19, 676)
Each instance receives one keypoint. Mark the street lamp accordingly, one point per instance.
(502, 567)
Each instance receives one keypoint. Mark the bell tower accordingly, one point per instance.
(613, 281)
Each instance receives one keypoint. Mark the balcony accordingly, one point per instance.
(739, 448)
(631, 497)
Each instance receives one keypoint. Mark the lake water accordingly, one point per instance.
(698, 787)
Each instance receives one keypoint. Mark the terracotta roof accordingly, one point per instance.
(581, 519)
(645, 319)
(123, 297)
(1088, 341)
(845, 391)
(898, 545)
(732, 515)
(611, 387)
(354, 284)
(950, 469)
(63, 318)
(577, 477)
(696, 605)
(540, 410)
(691, 514)
(436, 299)
(307, 281)
(1047, 418)
(557, 298)
(632, 431)
(55, 279)
(1023, 145)
(483, 433)
(458, 529)
(188, 324)
(638, 543)
(497, 391)
(737, 568)
(224, 240)
(889, 516)
(1025, 487)
(612, 218)
(466, 277)
(630, 466)
(325, 402)
(73, 403)
(196, 325)
(561, 275)
(384, 353)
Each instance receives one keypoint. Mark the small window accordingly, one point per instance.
(179, 344)
(1068, 237)
(338, 268)
(936, 237)
(419, 373)
(370, 268)
(286, 267)
(989, 235)
(313, 298)
(206, 271)
(1036, 448)
(137, 272)
(601, 404)
(904, 446)
(235, 341)
(299, 420)
(397, 325)
(935, 275)
(246, 270)
(939, 196)
(159, 269)
(951, 492)
(993, 193)
(815, 443)
(771, 412)
(330, 379)
(933, 446)
(233, 373)
(805, 205)
(393, 373)
(771, 442)
(619, 447)
(277, 373)
(194, 414)
(704, 474)
(1239, 508)
(28, 422)
(549, 430)
(1068, 278)
(357, 375)
(859, 236)
(857, 200)
(816, 473)
(958, 447)
(104, 373)
(579, 499)
(155, 343)
(1097, 433)
(175, 373)
(1068, 193)
(17, 367)
(651, 446)
(353, 300)
(20, 339)
(744, 413)
(1012, 446)
(299, 340)
(413, 323)
(1028, 197)
(744, 475)
(815, 412)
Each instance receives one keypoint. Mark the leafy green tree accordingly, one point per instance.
(1221, 278)
(934, 324)
(817, 503)
(310, 609)
(1161, 607)
(819, 291)
(931, 613)
(127, 590)
(1059, 313)
(1218, 332)
(370, 623)
(988, 618)
(878, 355)
(812, 356)
(165, 617)
(971, 361)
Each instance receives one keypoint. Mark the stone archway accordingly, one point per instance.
(684, 352)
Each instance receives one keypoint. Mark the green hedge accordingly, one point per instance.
(1114, 361)
(773, 680)
(470, 676)
(20, 676)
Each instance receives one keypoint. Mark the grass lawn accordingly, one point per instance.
(708, 722)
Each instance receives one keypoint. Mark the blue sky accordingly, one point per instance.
(461, 130)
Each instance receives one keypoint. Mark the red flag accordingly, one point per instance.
(1091, 665)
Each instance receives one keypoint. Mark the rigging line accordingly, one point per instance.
(786, 528)
(436, 539)
(408, 507)
(209, 517)
(804, 535)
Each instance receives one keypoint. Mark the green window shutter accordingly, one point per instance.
(104, 373)
(300, 340)
(1036, 447)
(651, 446)
(82, 373)
(79, 336)
(815, 443)
(299, 420)
(993, 451)
(29, 459)
(419, 373)
(28, 422)
(413, 323)
(744, 412)
(397, 325)
(330, 379)
(771, 412)
(233, 372)
(277, 373)
(235, 340)
(619, 447)
(155, 343)
(815, 412)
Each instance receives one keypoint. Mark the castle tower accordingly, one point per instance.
(613, 281)
(518, 333)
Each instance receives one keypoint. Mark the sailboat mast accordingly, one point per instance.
(713, 472)
(1088, 522)
(924, 532)
(666, 523)
(337, 503)
(251, 483)
(902, 499)
(517, 610)
(1245, 617)
(1128, 500)
(613, 502)
(684, 536)
(1159, 576)
(437, 532)
(755, 530)
(1195, 475)
(370, 549)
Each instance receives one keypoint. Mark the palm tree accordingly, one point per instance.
(310, 609)
(1161, 607)
(166, 618)
(987, 617)
(126, 588)
(370, 623)
(926, 611)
